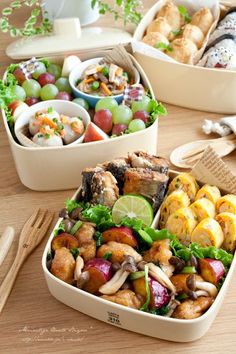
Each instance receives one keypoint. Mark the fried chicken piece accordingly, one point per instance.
(63, 265)
(85, 233)
(118, 251)
(190, 309)
(160, 253)
(87, 245)
(104, 189)
(141, 159)
(150, 184)
(125, 298)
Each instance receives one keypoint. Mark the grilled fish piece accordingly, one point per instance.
(150, 184)
(87, 176)
(117, 167)
(104, 189)
(144, 160)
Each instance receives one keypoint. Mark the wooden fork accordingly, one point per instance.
(31, 235)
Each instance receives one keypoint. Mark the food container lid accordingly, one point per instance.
(68, 37)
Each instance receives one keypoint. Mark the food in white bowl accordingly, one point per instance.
(104, 246)
(52, 123)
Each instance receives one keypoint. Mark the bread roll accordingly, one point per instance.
(183, 50)
(160, 25)
(203, 19)
(171, 13)
(194, 34)
(154, 38)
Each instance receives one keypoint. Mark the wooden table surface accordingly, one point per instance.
(32, 320)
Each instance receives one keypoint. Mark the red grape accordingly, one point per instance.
(63, 96)
(118, 129)
(143, 115)
(46, 78)
(20, 76)
(103, 119)
(31, 100)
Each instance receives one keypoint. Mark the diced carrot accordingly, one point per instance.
(90, 79)
(47, 121)
(105, 88)
(121, 88)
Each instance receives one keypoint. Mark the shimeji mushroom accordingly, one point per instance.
(201, 287)
(158, 274)
(115, 283)
(79, 265)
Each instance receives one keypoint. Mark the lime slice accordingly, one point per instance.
(132, 206)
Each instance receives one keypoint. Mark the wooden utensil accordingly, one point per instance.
(31, 235)
(6, 242)
(186, 155)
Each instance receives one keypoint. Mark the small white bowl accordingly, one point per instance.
(76, 74)
(62, 107)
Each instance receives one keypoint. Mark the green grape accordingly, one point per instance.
(136, 125)
(122, 115)
(106, 103)
(83, 103)
(32, 88)
(144, 105)
(63, 85)
(48, 92)
(19, 92)
(55, 70)
(40, 70)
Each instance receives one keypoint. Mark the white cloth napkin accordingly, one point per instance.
(224, 127)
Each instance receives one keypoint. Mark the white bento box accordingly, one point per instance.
(171, 329)
(53, 168)
(189, 86)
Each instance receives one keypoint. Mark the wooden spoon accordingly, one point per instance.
(186, 155)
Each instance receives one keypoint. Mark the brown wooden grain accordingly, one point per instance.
(31, 309)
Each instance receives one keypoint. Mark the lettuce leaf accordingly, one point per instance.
(99, 215)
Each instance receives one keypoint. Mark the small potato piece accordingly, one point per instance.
(121, 234)
(118, 251)
(85, 234)
(190, 309)
(64, 240)
(125, 298)
(179, 281)
(63, 265)
(211, 270)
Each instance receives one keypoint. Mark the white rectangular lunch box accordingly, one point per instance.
(53, 168)
(184, 85)
(171, 329)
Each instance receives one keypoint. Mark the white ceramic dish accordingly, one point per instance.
(76, 74)
(30, 162)
(211, 90)
(137, 321)
(62, 107)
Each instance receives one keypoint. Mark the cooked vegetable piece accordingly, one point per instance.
(185, 182)
(182, 223)
(174, 201)
(180, 282)
(203, 208)
(120, 234)
(210, 192)
(208, 233)
(63, 265)
(227, 222)
(64, 240)
(124, 297)
(227, 203)
(118, 251)
(211, 270)
(100, 272)
(190, 309)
